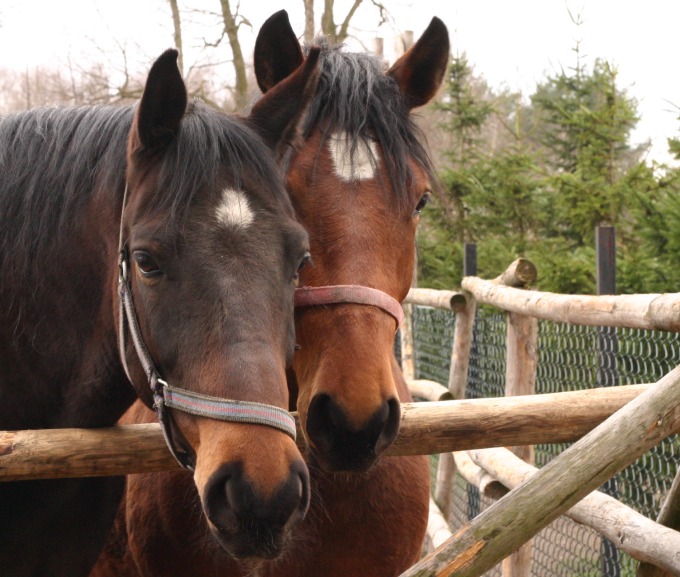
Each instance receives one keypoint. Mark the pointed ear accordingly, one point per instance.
(275, 117)
(277, 51)
(420, 70)
(162, 107)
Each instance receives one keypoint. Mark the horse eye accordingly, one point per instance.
(306, 259)
(422, 203)
(146, 263)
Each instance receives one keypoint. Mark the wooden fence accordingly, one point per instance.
(503, 532)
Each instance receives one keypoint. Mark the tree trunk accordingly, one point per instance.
(309, 21)
(632, 532)
(231, 30)
(177, 34)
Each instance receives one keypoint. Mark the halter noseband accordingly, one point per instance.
(349, 294)
(166, 396)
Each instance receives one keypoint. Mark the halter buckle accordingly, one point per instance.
(122, 266)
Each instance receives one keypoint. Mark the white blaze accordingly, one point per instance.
(365, 157)
(234, 210)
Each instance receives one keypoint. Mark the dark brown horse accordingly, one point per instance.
(154, 243)
(358, 183)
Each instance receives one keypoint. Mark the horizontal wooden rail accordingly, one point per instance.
(426, 428)
(644, 311)
(441, 299)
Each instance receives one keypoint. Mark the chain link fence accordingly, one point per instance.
(570, 358)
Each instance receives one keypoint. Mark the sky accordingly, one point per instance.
(512, 44)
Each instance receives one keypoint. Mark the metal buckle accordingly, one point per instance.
(122, 266)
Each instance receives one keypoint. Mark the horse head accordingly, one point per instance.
(358, 183)
(210, 257)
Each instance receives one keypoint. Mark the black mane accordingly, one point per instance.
(355, 95)
(52, 160)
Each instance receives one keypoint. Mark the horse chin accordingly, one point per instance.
(263, 544)
(341, 463)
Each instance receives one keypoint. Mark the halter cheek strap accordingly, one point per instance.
(349, 294)
(166, 396)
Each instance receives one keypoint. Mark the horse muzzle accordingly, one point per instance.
(249, 523)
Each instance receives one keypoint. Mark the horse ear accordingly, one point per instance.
(420, 70)
(277, 51)
(163, 104)
(275, 116)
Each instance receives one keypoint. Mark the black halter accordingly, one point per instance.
(166, 396)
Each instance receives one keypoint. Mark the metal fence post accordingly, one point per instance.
(605, 249)
(470, 269)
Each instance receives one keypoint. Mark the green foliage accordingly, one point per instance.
(440, 261)
(465, 112)
(586, 124)
(563, 268)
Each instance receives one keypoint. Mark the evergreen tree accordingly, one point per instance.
(585, 122)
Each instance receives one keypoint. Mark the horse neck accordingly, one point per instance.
(60, 320)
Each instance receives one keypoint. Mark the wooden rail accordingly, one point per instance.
(426, 428)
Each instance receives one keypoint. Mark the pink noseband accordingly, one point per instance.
(351, 294)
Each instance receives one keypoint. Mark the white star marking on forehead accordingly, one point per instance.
(365, 157)
(234, 210)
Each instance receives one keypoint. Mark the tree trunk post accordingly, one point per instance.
(520, 379)
(458, 374)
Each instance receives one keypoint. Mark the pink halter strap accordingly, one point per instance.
(351, 294)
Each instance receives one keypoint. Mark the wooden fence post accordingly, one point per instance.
(520, 379)
(458, 374)
(426, 429)
(408, 360)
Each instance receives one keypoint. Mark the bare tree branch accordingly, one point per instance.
(342, 34)
(309, 21)
(177, 27)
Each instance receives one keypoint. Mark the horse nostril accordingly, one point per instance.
(323, 416)
(391, 428)
(304, 491)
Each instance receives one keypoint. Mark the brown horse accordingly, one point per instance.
(154, 243)
(358, 183)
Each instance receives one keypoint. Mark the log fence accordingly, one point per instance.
(500, 537)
